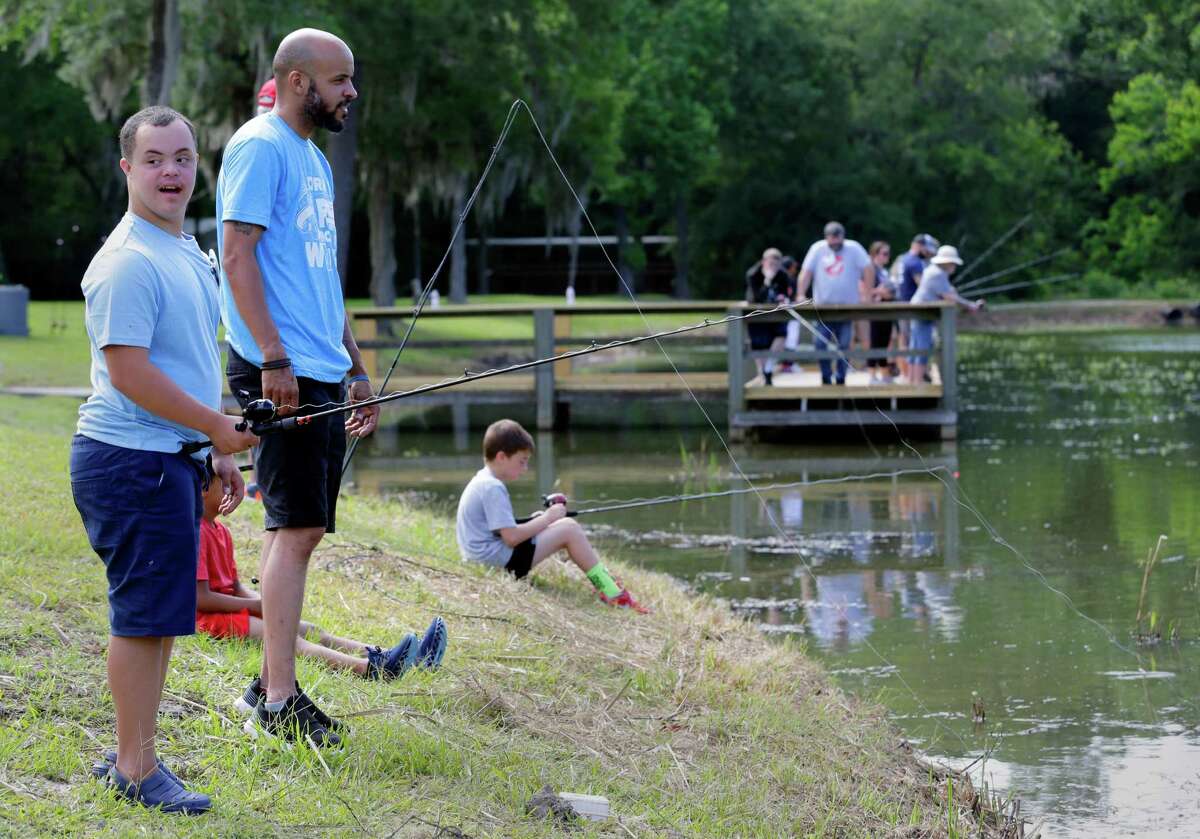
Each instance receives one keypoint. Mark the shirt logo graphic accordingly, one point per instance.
(315, 221)
(834, 265)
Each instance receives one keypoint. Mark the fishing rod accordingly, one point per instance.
(560, 498)
(259, 415)
(1057, 278)
(978, 281)
(1011, 232)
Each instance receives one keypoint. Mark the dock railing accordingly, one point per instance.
(832, 405)
(555, 384)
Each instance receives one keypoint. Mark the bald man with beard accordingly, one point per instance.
(290, 341)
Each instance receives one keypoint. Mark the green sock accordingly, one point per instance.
(603, 581)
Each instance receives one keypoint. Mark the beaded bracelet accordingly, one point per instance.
(277, 364)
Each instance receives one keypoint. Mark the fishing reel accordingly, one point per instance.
(256, 412)
(548, 501)
(258, 416)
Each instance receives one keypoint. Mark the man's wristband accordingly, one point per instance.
(361, 377)
(277, 364)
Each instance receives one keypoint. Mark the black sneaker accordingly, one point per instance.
(295, 721)
(248, 701)
(767, 378)
(320, 716)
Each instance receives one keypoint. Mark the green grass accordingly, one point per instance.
(688, 720)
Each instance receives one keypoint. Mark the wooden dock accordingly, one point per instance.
(795, 399)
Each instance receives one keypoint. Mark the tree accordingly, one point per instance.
(679, 93)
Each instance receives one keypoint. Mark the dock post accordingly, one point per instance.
(562, 329)
(543, 347)
(949, 362)
(735, 338)
(368, 330)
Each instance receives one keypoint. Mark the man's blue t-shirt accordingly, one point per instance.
(274, 178)
(911, 269)
(148, 288)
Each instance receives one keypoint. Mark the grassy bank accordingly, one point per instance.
(687, 720)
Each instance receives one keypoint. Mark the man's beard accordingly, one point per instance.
(319, 115)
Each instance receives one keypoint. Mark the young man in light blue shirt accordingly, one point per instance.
(151, 309)
(290, 341)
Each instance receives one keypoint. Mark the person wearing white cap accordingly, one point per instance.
(935, 285)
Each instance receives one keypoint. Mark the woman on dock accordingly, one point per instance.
(767, 284)
(879, 289)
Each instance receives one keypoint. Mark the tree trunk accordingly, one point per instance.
(683, 288)
(625, 285)
(166, 43)
(343, 149)
(417, 282)
(458, 249)
(574, 226)
(381, 210)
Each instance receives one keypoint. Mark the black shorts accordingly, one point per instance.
(521, 560)
(299, 471)
(762, 335)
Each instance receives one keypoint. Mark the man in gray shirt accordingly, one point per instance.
(837, 269)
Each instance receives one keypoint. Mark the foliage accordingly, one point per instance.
(735, 123)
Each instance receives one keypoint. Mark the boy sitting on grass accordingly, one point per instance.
(226, 608)
(488, 532)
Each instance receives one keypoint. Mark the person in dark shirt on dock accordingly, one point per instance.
(912, 266)
(768, 284)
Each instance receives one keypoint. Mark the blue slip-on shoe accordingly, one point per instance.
(433, 644)
(100, 770)
(159, 789)
(393, 663)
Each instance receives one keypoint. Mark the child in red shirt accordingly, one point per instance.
(227, 608)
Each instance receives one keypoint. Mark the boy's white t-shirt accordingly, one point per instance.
(484, 508)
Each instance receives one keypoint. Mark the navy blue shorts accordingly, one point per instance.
(142, 514)
(298, 471)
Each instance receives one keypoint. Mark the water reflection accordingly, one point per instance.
(1079, 450)
(888, 529)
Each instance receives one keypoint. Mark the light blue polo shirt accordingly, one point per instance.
(274, 178)
(148, 288)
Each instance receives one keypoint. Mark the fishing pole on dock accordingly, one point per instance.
(1057, 278)
(260, 417)
(978, 281)
(1008, 235)
(633, 503)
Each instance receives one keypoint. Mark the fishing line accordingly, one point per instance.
(428, 289)
(720, 437)
(1011, 232)
(994, 534)
(978, 281)
(1057, 278)
(632, 503)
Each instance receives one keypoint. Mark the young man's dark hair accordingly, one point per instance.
(507, 437)
(156, 115)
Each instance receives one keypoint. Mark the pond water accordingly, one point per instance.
(1014, 588)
